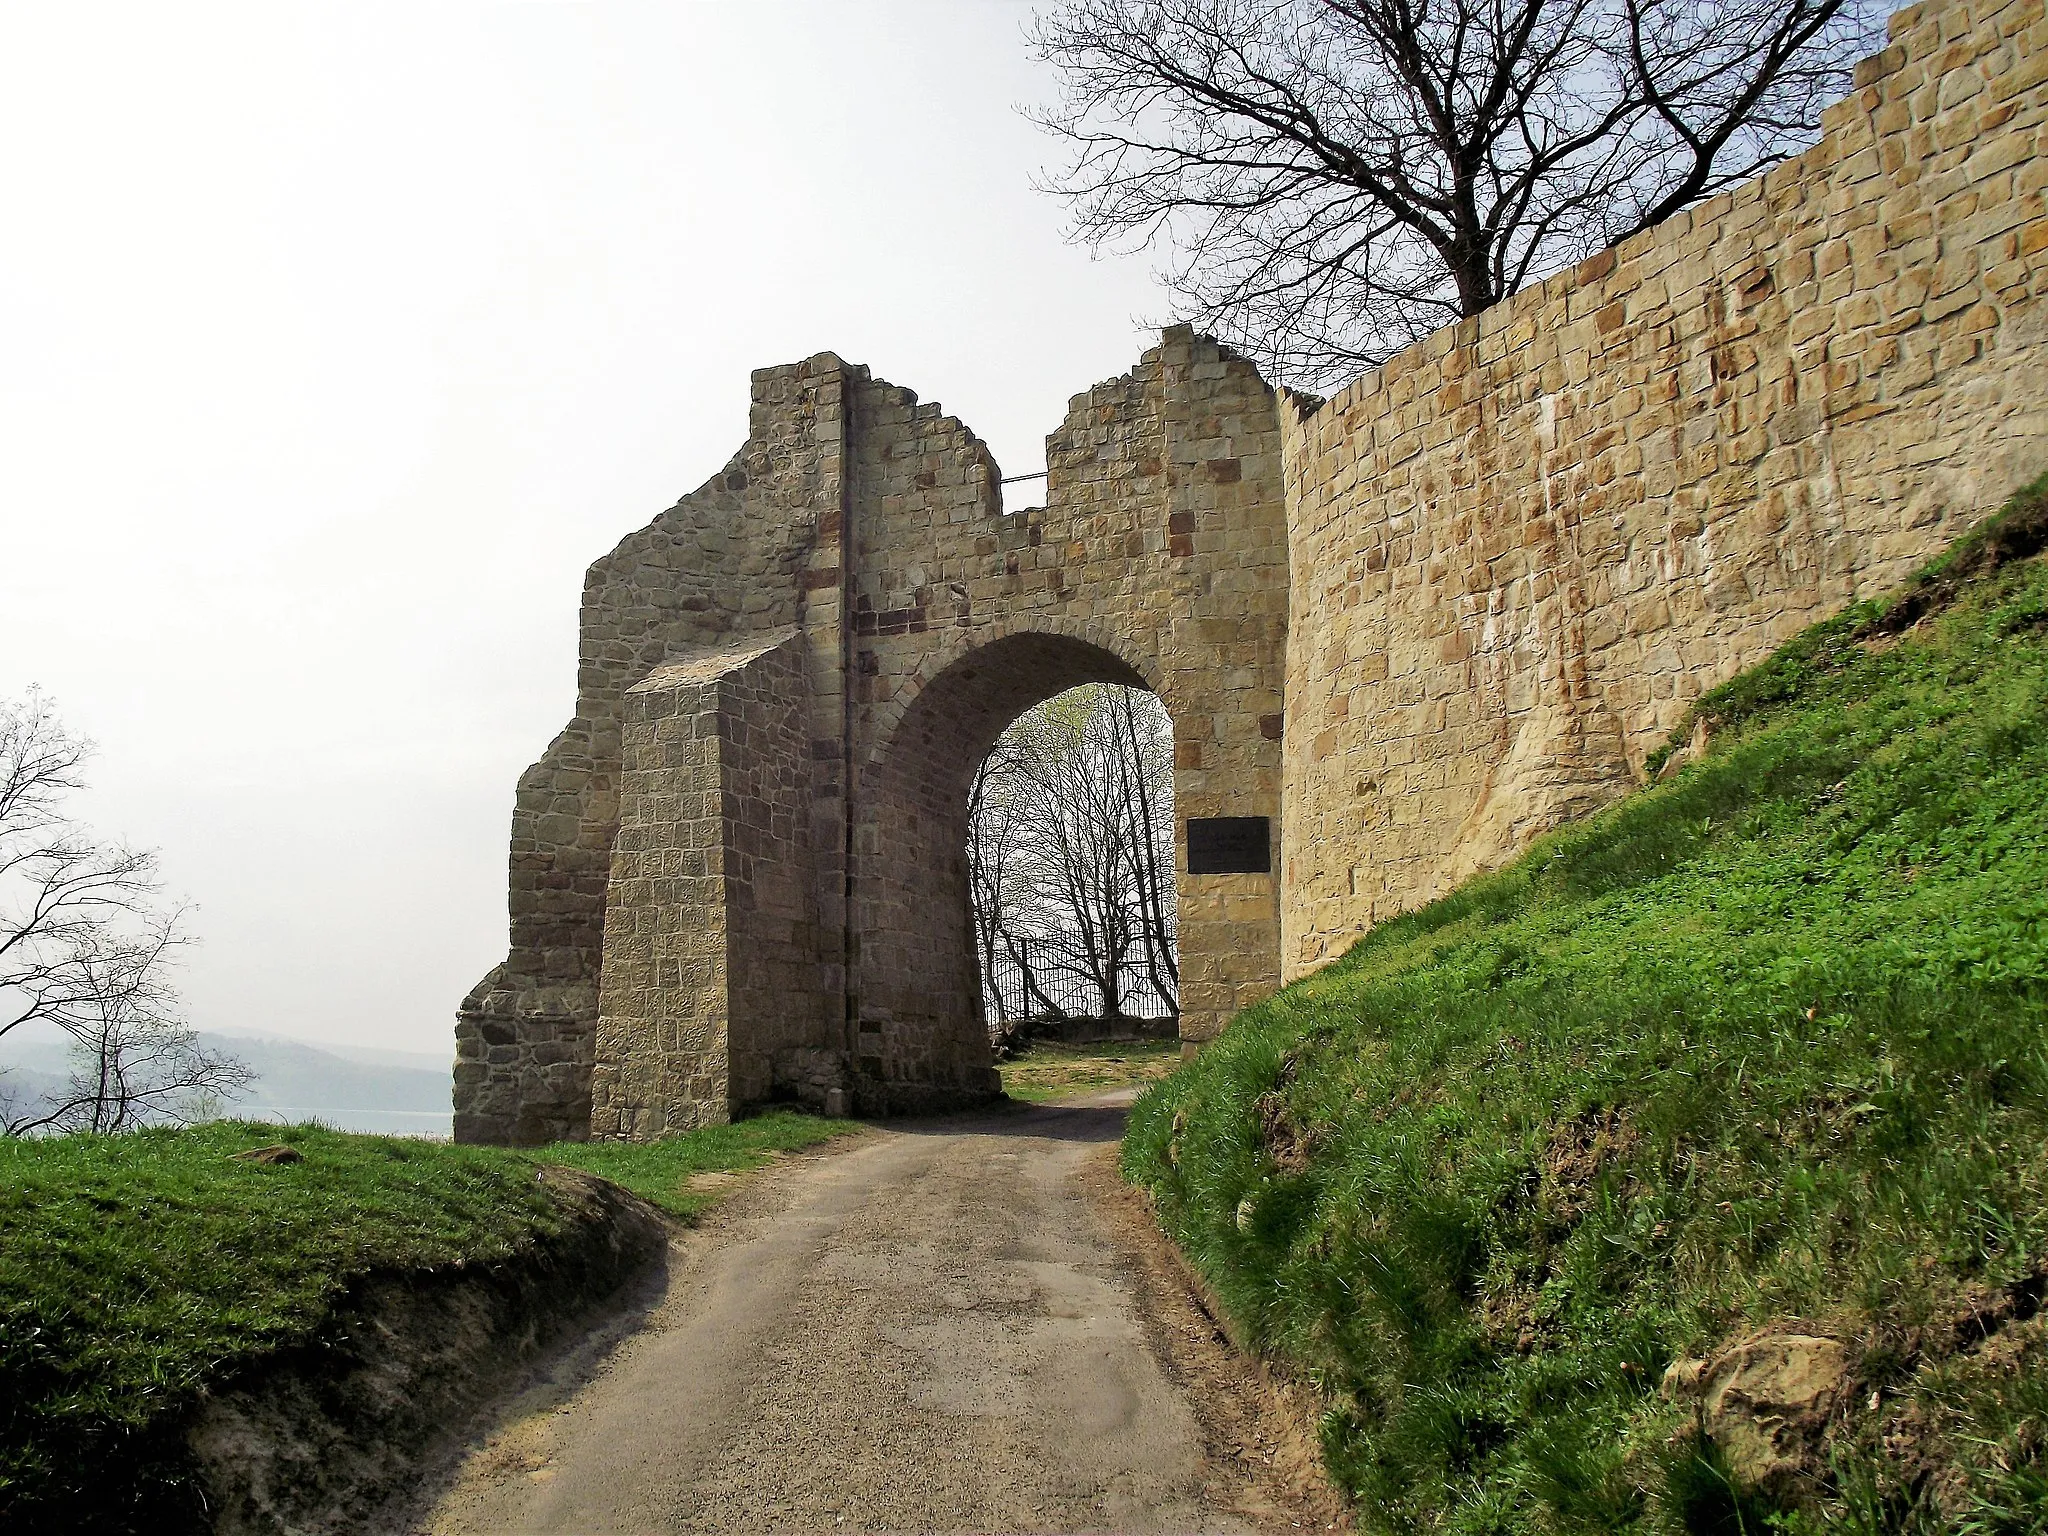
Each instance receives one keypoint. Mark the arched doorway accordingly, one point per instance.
(920, 1035)
(1071, 862)
(737, 876)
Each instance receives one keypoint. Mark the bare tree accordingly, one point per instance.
(1142, 743)
(1337, 178)
(85, 947)
(1000, 808)
(1070, 854)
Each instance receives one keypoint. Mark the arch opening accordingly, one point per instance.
(1070, 866)
(917, 1012)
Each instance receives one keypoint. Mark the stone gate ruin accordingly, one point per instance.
(740, 873)
(1412, 627)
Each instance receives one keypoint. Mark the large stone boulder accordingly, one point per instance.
(1766, 1403)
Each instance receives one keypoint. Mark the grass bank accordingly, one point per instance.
(1760, 1048)
(661, 1171)
(138, 1271)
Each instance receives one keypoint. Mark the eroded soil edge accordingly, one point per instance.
(1264, 1462)
(322, 1439)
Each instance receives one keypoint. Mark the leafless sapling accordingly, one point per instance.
(86, 946)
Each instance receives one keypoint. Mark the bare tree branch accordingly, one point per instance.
(85, 947)
(1070, 857)
(1333, 179)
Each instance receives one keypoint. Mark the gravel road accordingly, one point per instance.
(943, 1326)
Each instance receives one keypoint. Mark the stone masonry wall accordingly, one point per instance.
(662, 1033)
(734, 557)
(1523, 546)
(1158, 558)
(778, 987)
(710, 969)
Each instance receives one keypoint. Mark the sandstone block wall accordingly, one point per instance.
(1523, 546)
(778, 972)
(662, 1032)
(711, 971)
(732, 558)
(1158, 559)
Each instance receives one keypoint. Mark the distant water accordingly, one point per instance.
(438, 1124)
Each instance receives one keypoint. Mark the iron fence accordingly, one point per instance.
(1060, 983)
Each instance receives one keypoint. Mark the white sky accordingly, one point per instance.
(335, 342)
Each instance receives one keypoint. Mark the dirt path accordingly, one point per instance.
(946, 1326)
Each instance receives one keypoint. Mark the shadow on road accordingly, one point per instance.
(1091, 1123)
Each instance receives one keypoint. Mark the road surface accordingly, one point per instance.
(943, 1326)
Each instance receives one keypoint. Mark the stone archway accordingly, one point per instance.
(737, 875)
(916, 996)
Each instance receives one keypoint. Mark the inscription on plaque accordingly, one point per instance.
(1230, 845)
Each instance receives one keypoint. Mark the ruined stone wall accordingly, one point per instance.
(732, 558)
(779, 975)
(918, 475)
(662, 1031)
(922, 619)
(1522, 547)
(1158, 560)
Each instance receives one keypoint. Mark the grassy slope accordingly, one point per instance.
(1762, 1042)
(660, 1171)
(136, 1270)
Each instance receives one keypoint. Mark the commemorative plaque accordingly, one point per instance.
(1230, 845)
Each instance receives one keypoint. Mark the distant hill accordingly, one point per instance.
(23, 1086)
(291, 1075)
(424, 1061)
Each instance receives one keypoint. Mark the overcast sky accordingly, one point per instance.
(335, 342)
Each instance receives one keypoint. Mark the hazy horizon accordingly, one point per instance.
(342, 340)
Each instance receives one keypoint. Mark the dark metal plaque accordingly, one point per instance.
(1230, 845)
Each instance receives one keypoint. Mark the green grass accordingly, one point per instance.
(1051, 1069)
(137, 1270)
(661, 1171)
(1763, 1042)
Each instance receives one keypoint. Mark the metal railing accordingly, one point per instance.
(1061, 985)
